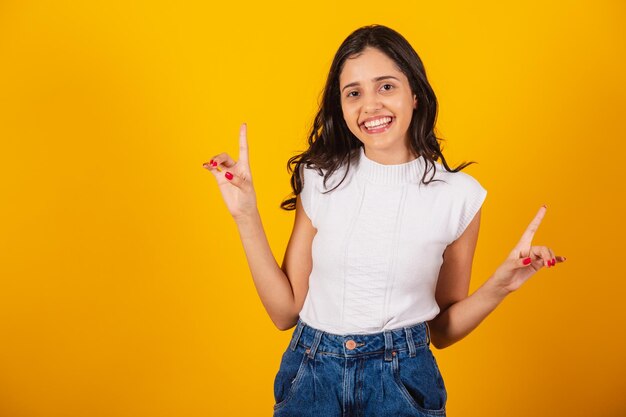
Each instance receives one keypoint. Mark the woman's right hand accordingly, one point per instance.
(235, 180)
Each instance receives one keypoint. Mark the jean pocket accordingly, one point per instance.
(420, 382)
(292, 366)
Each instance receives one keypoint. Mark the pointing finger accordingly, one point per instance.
(529, 233)
(243, 143)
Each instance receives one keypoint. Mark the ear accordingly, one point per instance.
(414, 101)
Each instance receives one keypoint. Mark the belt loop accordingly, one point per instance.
(388, 345)
(428, 332)
(296, 335)
(316, 342)
(409, 341)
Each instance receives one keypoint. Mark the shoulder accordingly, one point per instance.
(317, 177)
(465, 198)
(310, 175)
(457, 181)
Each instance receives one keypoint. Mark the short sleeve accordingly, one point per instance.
(472, 195)
(309, 193)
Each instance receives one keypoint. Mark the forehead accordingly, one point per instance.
(371, 63)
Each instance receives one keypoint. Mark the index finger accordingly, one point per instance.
(529, 233)
(243, 143)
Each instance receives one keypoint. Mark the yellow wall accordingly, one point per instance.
(124, 290)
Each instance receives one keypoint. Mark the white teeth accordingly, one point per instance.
(377, 122)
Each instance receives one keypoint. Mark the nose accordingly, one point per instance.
(372, 104)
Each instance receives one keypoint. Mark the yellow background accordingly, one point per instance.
(124, 290)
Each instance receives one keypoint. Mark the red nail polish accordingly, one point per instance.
(228, 176)
(526, 261)
(211, 162)
(553, 261)
(214, 163)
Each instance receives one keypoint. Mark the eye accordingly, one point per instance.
(388, 85)
(350, 94)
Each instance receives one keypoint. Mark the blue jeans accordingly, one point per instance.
(392, 373)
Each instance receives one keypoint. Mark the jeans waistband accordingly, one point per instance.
(387, 342)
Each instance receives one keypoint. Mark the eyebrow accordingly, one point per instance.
(384, 77)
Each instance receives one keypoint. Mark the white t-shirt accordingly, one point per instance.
(379, 244)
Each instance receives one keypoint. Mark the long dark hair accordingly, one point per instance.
(331, 144)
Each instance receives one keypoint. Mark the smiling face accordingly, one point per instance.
(377, 104)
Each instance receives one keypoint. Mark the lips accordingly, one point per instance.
(379, 128)
(369, 119)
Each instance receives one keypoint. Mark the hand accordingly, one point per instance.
(514, 271)
(235, 179)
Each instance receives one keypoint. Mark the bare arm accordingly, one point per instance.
(271, 283)
(282, 290)
(461, 314)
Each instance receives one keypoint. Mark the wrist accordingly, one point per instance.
(495, 290)
(247, 218)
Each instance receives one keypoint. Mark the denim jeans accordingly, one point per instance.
(392, 373)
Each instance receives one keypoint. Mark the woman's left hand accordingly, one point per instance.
(525, 259)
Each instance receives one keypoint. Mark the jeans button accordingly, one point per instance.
(350, 344)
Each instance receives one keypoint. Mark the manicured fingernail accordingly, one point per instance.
(526, 261)
(553, 261)
(214, 163)
(228, 175)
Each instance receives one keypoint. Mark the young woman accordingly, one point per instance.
(378, 264)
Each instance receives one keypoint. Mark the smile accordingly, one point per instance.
(377, 126)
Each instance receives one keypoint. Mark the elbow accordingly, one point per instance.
(283, 328)
(439, 344)
(436, 339)
(284, 325)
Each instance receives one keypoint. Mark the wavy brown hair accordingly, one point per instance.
(331, 144)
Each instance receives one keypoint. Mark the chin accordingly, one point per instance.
(381, 145)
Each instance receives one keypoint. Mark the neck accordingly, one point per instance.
(390, 158)
(389, 173)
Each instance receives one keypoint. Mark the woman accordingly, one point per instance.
(378, 264)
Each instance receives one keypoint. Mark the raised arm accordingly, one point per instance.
(282, 290)
(461, 314)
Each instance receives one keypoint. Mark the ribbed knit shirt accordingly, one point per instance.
(379, 243)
